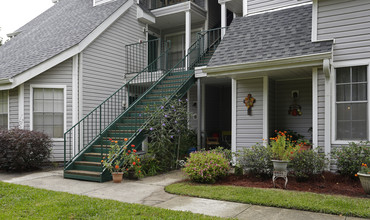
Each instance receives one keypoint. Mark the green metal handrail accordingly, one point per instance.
(183, 68)
(91, 127)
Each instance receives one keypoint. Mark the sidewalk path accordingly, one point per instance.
(150, 191)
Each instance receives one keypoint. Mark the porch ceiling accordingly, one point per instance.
(174, 15)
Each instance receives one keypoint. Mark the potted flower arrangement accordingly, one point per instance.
(121, 159)
(282, 149)
(364, 175)
(304, 144)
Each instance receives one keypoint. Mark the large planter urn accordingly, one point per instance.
(280, 165)
(365, 182)
(117, 177)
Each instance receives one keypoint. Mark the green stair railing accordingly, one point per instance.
(148, 88)
(92, 126)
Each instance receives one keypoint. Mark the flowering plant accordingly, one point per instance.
(364, 169)
(302, 142)
(122, 158)
(282, 147)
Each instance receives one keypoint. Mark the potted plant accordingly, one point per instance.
(364, 175)
(304, 144)
(120, 160)
(282, 149)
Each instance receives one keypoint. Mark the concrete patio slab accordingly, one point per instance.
(204, 206)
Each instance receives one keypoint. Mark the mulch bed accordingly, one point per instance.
(327, 183)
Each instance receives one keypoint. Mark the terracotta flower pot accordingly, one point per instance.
(365, 182)
(280, 165)
(305, 147)
(117, 177)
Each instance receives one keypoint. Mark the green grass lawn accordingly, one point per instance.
(17, 202)
(340, 205)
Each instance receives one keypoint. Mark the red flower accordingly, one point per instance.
(110, 139)
(134, 151)
(125, 139)
(134, 163)
(291, 152)
(132, 145)
(129, 151)
(117, 167)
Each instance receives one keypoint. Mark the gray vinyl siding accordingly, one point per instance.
(104, 61)
(348, 22)
(321, 109)
(283, 100)
(60, 74)
(249, 128)
(214, 14)
(13, 108)
(193, 122)
(255, 6)
(200, 2)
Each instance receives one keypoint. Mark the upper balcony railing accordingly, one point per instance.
(154, 4)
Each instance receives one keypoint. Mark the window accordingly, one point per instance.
(3, 109)
(48, 111)
(351, 103)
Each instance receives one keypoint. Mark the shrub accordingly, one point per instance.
(349, 158)
(169, 135)
(307, 163)
(22, 150)
(256, 160)
(206, 166)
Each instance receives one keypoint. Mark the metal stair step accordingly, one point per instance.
(83, 172)
(92, 154)
(88, 163)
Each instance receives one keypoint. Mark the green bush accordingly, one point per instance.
(307, 163)
(349, 158)
(206, 166)
(256, 160)
(169, 136)
(22, 150)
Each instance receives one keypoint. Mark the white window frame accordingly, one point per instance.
(47, 86)
(334, 98)
(8, 110)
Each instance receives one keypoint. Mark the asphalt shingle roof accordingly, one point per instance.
(269, 36)
(59, 28)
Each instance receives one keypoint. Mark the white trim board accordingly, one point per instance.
(49, 86)
(42, 67)
(314, 20)
(265, 110)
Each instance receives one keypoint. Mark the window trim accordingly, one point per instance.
(48, 86)
(8, 109)
(334, 102)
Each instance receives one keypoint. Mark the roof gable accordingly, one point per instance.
(59, 28)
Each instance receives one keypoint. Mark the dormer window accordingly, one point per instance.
(99, 2)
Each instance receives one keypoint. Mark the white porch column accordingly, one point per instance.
(21, 106)
(314, 108)
(245, 8)
(233, 118)
(75, 101)
(199, 113)
(223, 19)
(265, 110)
(187, 34)
(328, 115)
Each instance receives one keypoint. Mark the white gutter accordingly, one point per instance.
(265, 65)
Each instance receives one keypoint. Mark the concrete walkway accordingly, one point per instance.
(150, 191)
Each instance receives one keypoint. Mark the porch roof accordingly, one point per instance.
(269, 36)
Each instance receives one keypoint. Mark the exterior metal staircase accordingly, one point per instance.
(87, 142)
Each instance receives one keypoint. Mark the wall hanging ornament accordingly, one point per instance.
(249, 102)
(295, 109)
